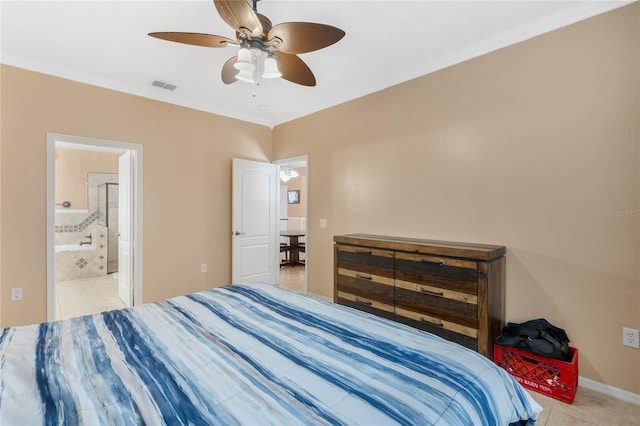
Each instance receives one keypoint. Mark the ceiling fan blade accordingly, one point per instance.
(295, 70)
(196, 39)
(266, 25)
(239, 14)
(229, 72)
(302, 37)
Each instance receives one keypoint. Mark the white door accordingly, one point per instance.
(255, 247)
(125, 228)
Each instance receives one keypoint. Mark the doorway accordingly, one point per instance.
(293, 224)
(86, 266)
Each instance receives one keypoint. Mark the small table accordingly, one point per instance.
(294, 243)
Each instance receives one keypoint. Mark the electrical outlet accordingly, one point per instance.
(16, 294)
(631, 337)
(203, 267)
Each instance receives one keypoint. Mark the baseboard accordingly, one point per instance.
(623, 395)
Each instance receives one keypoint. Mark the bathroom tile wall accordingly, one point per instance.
(72, 227)
(87, 260)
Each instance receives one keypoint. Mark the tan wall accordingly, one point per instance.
(72, 167)
(529, 147)
(187, 182)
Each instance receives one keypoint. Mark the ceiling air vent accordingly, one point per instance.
(163, 85)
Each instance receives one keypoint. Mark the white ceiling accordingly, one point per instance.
(105, 43)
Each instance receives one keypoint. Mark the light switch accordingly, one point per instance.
(323, 223)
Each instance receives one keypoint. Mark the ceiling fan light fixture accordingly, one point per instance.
(271, 68)
(287, 174)
(245, 61)
(246, 76)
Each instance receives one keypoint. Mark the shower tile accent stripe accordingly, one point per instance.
(79, 227)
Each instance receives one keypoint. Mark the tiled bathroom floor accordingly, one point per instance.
(86, 296)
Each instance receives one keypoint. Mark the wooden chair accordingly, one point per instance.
(286, 249)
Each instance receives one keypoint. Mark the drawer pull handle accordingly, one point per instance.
(363, 251)
(364, 277)
(434, 293)
(363, 302)
(437, 324)
(433, 262)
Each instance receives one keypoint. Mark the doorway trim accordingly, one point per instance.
(100, 145)
(291, 161)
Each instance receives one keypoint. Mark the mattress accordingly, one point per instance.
(248, 354)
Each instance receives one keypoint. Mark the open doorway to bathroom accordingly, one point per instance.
(292, 212)
(86, 232)
(87, 270)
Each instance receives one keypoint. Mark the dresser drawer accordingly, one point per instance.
(441, 272)
(369, 296)
(366, 260)
(449, 305)
(446, 313)
(365, 279)
(463, 335)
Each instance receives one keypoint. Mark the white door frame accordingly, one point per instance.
(92, 144)
(287, 161)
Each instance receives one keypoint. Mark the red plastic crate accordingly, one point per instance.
(551, 377)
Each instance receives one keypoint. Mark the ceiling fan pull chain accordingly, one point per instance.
(256, 83)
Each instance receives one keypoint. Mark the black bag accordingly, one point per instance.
(537, 336)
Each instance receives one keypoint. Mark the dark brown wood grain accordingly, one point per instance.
(366, 308)
(466, 341)
(454, 290)
(447, 309)
(382, 293)
(464, 287)
(429, 269)
(367, 269)
(365, 258)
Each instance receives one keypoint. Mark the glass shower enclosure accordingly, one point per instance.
(108, 216)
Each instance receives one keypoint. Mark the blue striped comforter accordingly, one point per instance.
(247, 354)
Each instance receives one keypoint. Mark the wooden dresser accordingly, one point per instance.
(454, 290)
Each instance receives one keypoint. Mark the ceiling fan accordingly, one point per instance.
(266, 50)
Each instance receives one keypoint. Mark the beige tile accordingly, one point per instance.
(87, 296)
(292, 277)
(588, 408)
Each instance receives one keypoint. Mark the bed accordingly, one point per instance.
(248, 354)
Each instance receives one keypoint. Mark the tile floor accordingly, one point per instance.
(588, 408)
(86, 296)
(292, 277)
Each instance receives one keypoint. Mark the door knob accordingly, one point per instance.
(238, 233)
